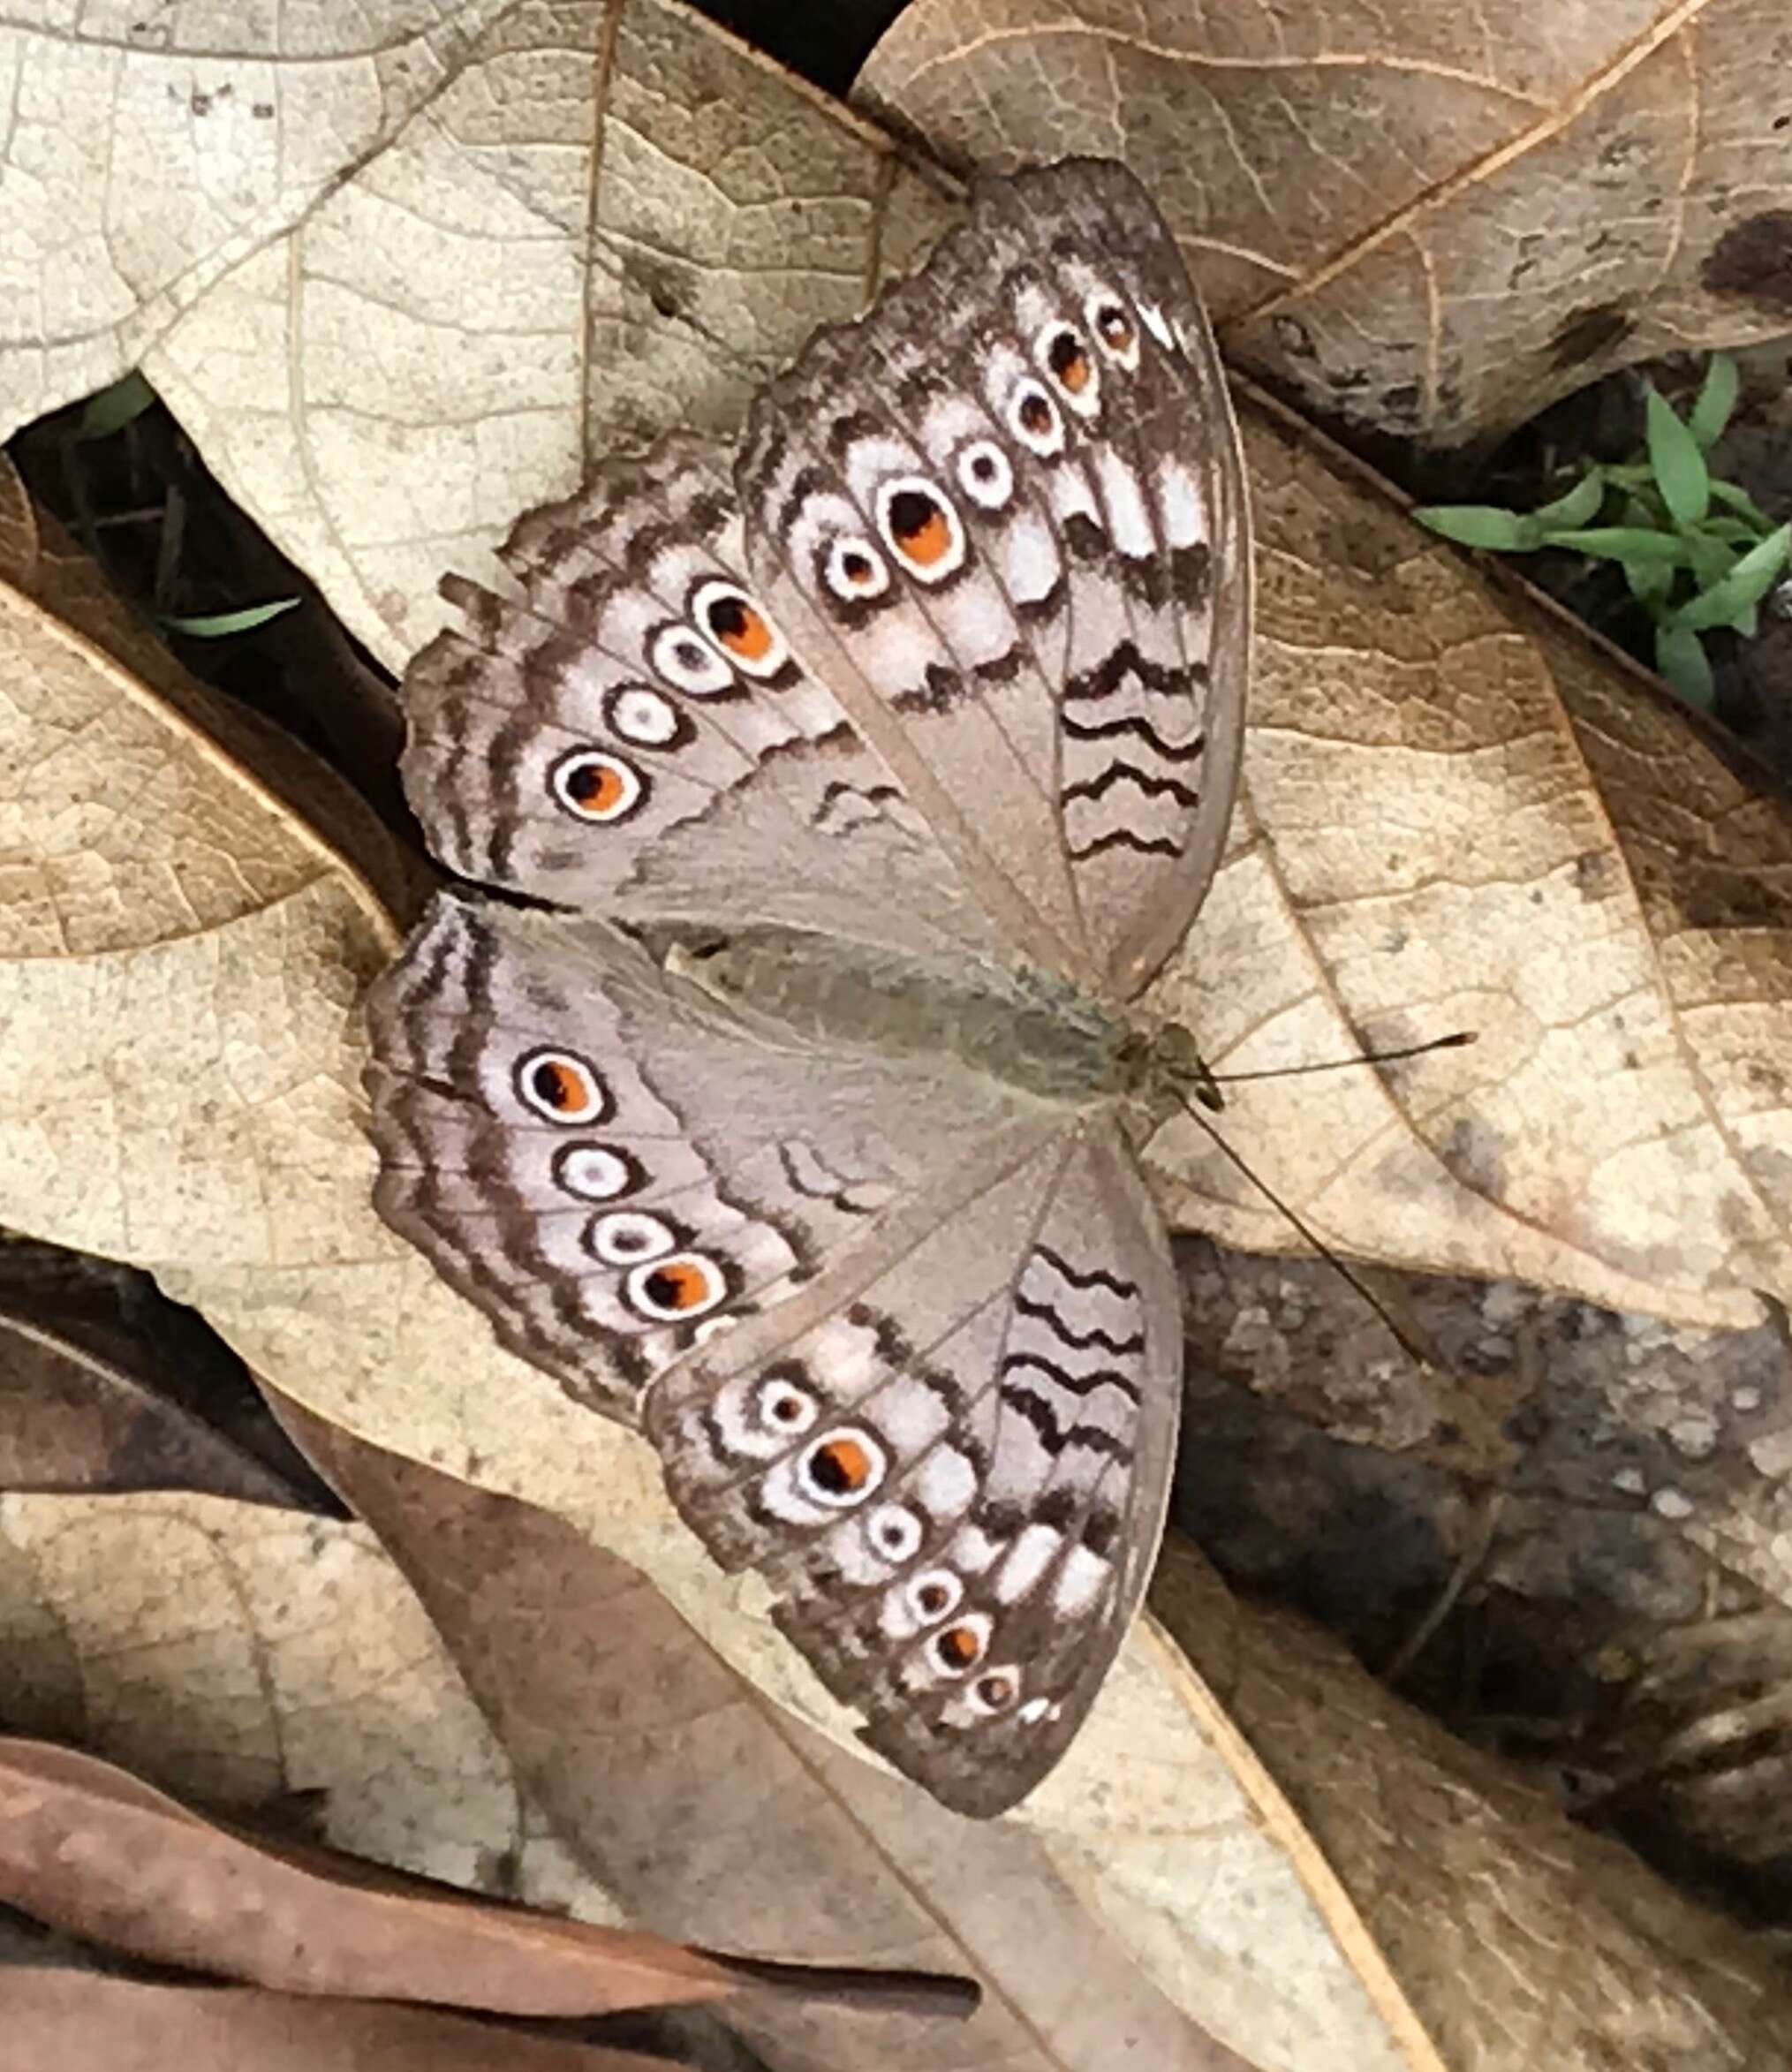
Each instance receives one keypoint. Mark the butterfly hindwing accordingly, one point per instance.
(955, 1481)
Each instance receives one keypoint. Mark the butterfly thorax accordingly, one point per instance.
(1033, 1031)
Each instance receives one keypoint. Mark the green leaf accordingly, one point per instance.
(1681, 658)
(114, 408)
(214, 625)
(1716, 400)
(1739, 500)
(1677, 463)
(1737, 532)
(1480, 524)
(1623, 543)
(1712, 559)
(1722, 603)
(1748, 621)
(1650, 581)
(1579, 507)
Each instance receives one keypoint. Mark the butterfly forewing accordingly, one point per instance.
(1008, 507)
(918, 723)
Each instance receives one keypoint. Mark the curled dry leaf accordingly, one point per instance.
(1417, 223)
(88, 1848)
(70, 2018)
(454, 266)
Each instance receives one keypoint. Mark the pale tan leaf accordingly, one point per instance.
(1460, 812)
(447, 271)
(1420, 223)
(71, 2018)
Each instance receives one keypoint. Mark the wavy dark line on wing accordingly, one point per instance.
(1124, 838)
(1044, 1313)
(1068, 1379)
(1124, 773)
(1106, 729)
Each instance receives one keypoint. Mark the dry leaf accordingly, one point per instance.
(89, 1849)
(703, 1803)
(1419, 224)
(445, 271)
(71, 2018)
(72, 1418)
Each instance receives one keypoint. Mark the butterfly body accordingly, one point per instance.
(882, 765)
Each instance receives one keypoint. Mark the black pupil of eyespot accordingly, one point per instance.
(690, 655)
(787, 1408)
(728, 618)
(856, 568)
(552, 1086)
(983, 467)
(1036, 414)
(911, 512)
(931, 1597)
(586, 782)
(1113, 324)
(663, 1290)
(831, 1472)
(1064, 354)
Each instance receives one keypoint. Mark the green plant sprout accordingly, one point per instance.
(1697, 553)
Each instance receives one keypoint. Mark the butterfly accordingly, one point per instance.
(859, 780)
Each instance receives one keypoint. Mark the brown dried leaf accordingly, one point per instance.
(89, 1849)
(1417, 223)
(72, 2018)
(639, 1744)
(457, 265)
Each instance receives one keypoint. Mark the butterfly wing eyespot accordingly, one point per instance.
(643, 717)
(737, 624)
(1108, 319)
(956, 1650)
(560, 1087)
(1070, 367)
(995, 1690)
(675, 1289)
(921, 527)
(894, 1531)
(854, 570)
(688, 664)
(1035, 420)
(985, 474)
(596, 788)
(627, 1238)
(595, 1172)
(784, 1408)
(842, 1467)
(934, 1595)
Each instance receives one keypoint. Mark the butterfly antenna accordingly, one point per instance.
(1458, 1041)
(1407, 1341)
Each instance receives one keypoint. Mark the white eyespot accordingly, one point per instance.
(984, 475)
(560, 1087)
(921, 527)
(592, 786)
(593, 1172)
(784, 1408)
(956, 1650)
(740, 629)
(934, 1594)
(628, 1237)
(854, 569)
(688, 663)
(1035, 419)
(1157, 325)
(842, 1468)
(674, 1289)
(1036, 1709)
(894, 1532)
(643, 716)
(1069, 364)
(1111, 323)
(995, 1691)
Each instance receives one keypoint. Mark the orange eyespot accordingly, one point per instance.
(841, 1466)
(740, 629)
(1068, 362)
(560, 1087)
(958, 1646)
(997, 1691)
(919, 526)
(593, 787)
(677, 1287)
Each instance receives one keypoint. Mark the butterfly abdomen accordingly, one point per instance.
(1033, 1032)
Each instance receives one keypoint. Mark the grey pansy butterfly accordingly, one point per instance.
(902, 749)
